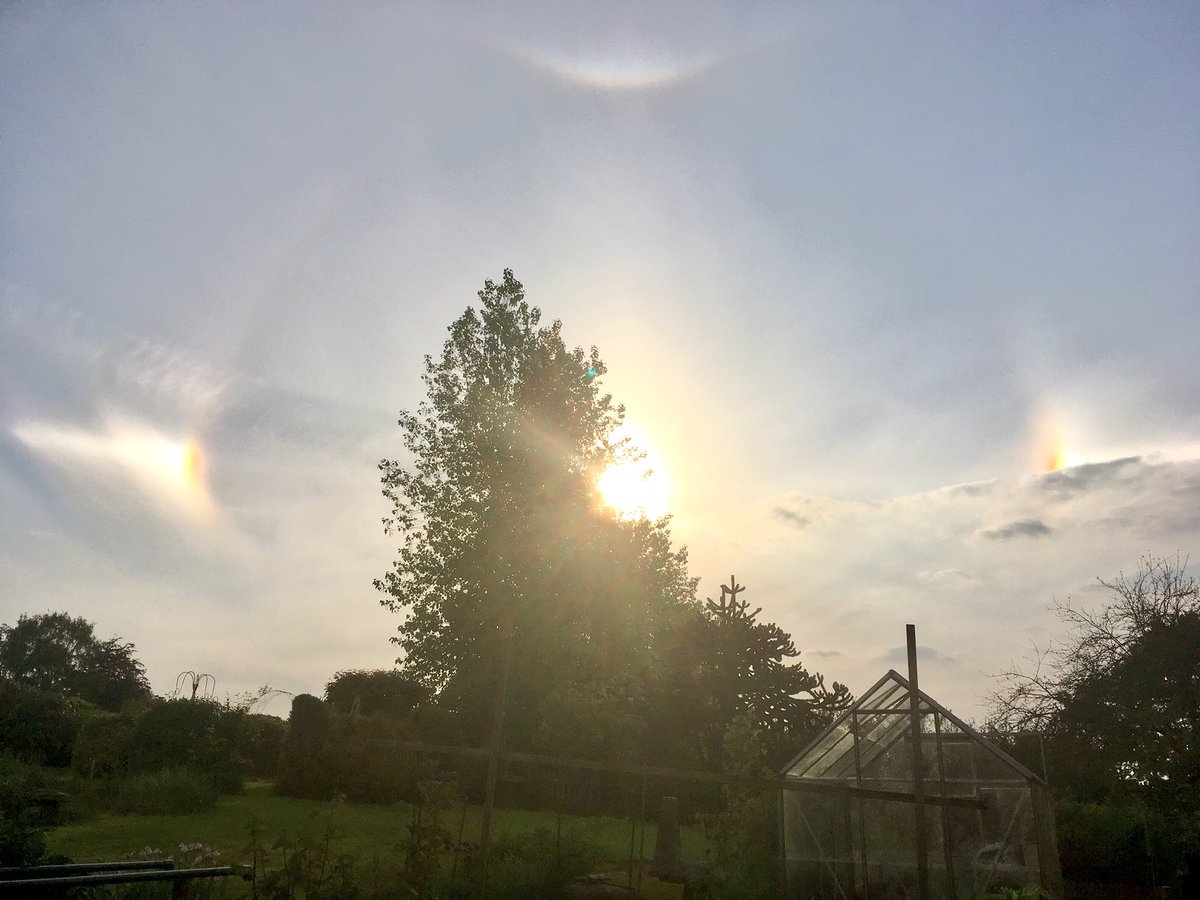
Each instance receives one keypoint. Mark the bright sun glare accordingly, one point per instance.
(635, 490)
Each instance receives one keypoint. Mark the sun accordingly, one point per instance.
(635, 489)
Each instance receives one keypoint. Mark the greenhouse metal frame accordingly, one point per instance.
(904, 799)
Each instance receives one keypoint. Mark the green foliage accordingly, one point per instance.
(328, 754)
(105, 739)
(305, 768)
(1028, 892)
(260, 743)
(39, 726)
(505, 548)
(1125, 842)
(197, 734)
(308, 864)
(535, 865)
(744, 835)
(377, 692)
(1117, 699)
(722, 663)
(219, 741)
(22, 824)
(362, 768)
(60, 654)
(1118, 702)
(427, 837)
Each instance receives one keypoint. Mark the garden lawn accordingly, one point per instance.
(366, 831)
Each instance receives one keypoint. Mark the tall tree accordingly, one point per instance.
(1119, 697)
(61, 654)
(724, 664)
(506, 551)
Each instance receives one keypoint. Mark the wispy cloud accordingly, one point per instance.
(897, 657)
(1022, 528)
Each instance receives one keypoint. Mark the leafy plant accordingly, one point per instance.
(427, 838)
(743, 836)
(22, 837)
(314, 864)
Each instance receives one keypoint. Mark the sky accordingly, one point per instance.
(903, 297)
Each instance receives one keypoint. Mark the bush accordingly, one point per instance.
(364, 769)
(304, 766)
(1102, 843)
(197, 734)
(35, 725)
(21, 825)
(169, 791)
(221, 741)
(104, 743)
(260, 743)
(328, 754)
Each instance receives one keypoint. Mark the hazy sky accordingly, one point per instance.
(862, 274)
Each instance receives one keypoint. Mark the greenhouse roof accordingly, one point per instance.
(879, 719)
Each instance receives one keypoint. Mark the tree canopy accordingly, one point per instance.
(725, 665)
(505, 545)
(375, 692)
(1119, 698)
(512, 571)
(60, 654)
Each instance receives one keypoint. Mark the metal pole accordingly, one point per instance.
(856, 730)
(914, 705)
(947, 848)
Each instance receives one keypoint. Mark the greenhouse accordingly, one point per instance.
(857, 823)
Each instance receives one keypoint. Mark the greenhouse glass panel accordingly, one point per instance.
(850, 806)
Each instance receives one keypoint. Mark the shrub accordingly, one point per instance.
(35, 725)
(743, 836)
(197, 734)
(21, 835)
(1102, 843)
(103, 745)
(329, 754)
(364, 769)
(305, 764)
(260, 743)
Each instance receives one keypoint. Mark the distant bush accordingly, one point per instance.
(224, 742)
(260, 743)
(365, 770)
(376, 692)
(197, 734)
(35, 725)
(329, 754)
(105, 739)
(305, 766)
(169, 791)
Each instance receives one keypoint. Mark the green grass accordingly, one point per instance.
(366, 831)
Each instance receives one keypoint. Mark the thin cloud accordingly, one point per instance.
(1079, 479)
(953, 577)
(1021, 528)
(791, 517)
(898, 656)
